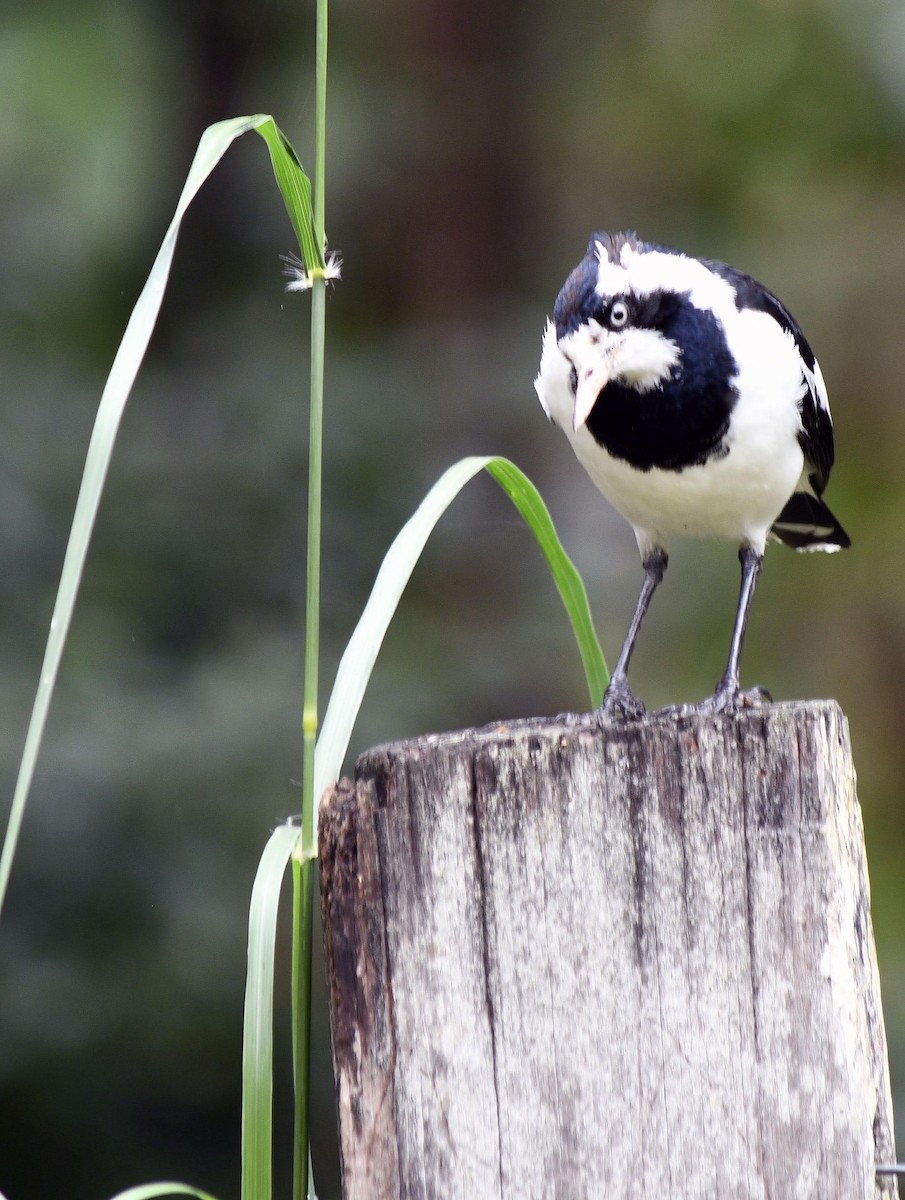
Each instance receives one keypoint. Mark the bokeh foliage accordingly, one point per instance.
(473, 146)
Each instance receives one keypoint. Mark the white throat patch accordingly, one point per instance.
(641, 358)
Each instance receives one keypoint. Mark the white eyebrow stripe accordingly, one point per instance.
(657, 270)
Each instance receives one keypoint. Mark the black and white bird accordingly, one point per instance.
(693, 400)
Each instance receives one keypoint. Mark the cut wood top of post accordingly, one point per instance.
(572, 722)
(631, 958)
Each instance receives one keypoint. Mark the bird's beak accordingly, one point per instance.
(591, 382)
(640, 358)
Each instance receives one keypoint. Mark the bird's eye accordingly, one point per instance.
(618, 314)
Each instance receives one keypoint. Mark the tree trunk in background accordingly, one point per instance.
(626, 960)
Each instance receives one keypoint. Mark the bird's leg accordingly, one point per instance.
(618, 699)
(727, 696)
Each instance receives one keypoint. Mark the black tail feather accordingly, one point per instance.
(807, 524)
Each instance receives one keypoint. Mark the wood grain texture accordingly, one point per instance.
(572, 960)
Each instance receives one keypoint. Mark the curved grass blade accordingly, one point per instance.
(361, 652)
(152, 1191)
(213, 145)
(525, 496)
(257, 1035)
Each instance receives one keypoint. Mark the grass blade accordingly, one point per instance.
(152, 1191)
(361, 652)
(257, 1036)
(214, 143)
(525, 496)
(295, 187)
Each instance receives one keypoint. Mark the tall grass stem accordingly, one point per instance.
(312, 603)
(302, 878)
(303, 900)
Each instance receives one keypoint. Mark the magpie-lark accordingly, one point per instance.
(693, 400)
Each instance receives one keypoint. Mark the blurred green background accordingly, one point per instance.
(473, 147)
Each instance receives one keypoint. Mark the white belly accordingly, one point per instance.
(737, 497)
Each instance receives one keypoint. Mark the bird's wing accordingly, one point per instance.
(816, 436)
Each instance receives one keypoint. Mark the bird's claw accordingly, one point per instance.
(620, 703)
(732, 700)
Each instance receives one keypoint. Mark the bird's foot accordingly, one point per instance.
(732, 700)
(620, 703)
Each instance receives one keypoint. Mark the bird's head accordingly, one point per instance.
(611, 325)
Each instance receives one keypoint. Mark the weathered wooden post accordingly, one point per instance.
(621, 960)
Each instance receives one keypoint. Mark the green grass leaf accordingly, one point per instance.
(152, 1191)
(214, 143)
(295, 187)
(257, 1037)
(525, 496)
(361, 652)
